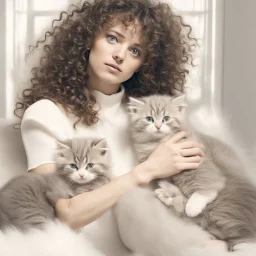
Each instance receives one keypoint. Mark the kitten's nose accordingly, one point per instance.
(81, 176)
(158, 126)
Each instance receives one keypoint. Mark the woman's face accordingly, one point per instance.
(117, 53)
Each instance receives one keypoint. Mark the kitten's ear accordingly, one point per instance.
(134, 105)
(102, 145)
(179, 102)
(61, 145)
(62, 150)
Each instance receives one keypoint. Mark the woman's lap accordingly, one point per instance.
(148, 227)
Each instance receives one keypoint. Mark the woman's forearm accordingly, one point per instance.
(87, 207)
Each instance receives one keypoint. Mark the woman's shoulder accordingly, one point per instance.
(45, 113)
(44, 109)
(41, 107)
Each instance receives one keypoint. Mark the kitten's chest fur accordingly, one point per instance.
(212, 167)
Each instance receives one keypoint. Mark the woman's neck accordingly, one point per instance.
(95, 83)
(105, 89)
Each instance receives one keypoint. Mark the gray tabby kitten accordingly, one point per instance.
(216, 195)
(28, 201)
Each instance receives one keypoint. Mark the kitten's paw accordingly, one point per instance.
(164, 196)
(163, 184)
(170, 195)
(195, 206)
(239, 247)
(169, 188)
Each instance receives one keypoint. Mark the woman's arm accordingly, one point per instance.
(45, 168)
(87, 207)
(165, 161)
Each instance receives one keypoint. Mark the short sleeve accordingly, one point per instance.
(42, 125)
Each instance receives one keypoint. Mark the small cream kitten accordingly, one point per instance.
(216, 196)
(28, 201)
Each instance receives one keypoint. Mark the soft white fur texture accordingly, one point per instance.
(56, 240)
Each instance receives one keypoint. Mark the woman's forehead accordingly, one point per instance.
(132, 29)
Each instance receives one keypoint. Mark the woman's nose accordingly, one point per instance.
(119, 56)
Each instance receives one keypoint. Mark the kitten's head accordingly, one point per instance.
(157, 115)
(82, 160)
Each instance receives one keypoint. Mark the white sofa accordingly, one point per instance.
(12, 153)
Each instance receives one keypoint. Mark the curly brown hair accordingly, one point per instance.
(62, 75)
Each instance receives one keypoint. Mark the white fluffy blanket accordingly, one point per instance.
(97, 239)
(56, 240)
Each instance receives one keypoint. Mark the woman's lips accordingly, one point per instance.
(114, 66)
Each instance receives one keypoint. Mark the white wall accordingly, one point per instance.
(239, 56)
(2, 60)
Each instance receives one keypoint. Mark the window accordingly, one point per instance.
(26, 19)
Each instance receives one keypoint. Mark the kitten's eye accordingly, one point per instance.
(90, 165)
(150, 119)
(166, 119)
(74, 166)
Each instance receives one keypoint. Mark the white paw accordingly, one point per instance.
(163, 184)
(164, 196)
(195, 206)
(169, 188)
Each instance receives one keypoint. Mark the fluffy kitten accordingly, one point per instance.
(28, 201)
(216, 195)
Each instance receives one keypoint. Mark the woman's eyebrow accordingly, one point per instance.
(138, 45)
(119, 34)
(122, 36)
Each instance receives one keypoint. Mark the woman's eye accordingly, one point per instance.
(90, 165)
(74, 166)
(135, 52)
(111, 38)
(166, 119)
(150, 119)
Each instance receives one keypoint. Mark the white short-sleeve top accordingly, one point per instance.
(44, 123)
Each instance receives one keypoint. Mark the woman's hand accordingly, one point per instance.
(169, 158)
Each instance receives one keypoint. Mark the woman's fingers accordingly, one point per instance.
(188, 144)
(185, 148)
(187, 166)
(177, 137)
(191, 159)
(191, 152)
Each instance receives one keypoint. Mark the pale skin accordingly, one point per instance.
(114, 57)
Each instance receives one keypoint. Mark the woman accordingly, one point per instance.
(93, 58)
